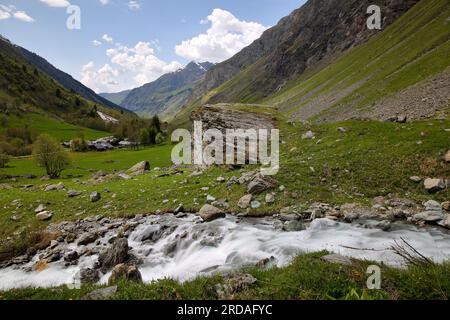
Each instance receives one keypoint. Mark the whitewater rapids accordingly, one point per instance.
(192, 248)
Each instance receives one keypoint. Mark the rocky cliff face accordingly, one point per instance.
(224, 117)
(319, 30)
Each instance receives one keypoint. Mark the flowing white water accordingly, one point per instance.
(186, 248)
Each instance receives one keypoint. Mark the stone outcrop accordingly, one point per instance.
(139, 168)
(210, 213)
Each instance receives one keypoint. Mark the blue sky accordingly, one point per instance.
(126, 43)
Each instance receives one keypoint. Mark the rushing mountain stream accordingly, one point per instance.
(183, 247)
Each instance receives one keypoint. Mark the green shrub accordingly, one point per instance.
(79, 145)
(50, 155)
(4, 159)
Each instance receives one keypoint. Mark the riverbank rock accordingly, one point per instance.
(446, 205)
(428, 216)
(72, 256)
(337, 259)
(87, 238)
(245, 201)
(116, 254)
(445, 222)
(139, 168)
(222, 204)
(259, 184)
(124, 272)
(210, 199)
(432, 205)
(209, 213)
(255, 204)
(270, 198)
(434, 184)
(101, 294)
(234, 284)
(151, 233)
(294, 226)
(88, 276)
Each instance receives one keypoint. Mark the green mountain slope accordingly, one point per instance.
(168, 94)
(316, 33)
(313, 39)
(25, 89)
(60, 130)
(407, 57)
(116, 97)
(64, 79)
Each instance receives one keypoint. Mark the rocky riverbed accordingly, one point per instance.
(145, 248)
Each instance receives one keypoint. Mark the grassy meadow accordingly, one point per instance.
(369, 159)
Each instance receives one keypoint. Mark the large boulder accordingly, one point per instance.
(434, 184)
(139, 168)
(117, 253)
(428, 216)
(432, 205)
(124, 272)
(294, 226)
(210, 213)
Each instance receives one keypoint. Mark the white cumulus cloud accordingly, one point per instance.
(128, 67)
(7, 12)
(226, 36)
(142, 61)
(107, 38)
(134, 5)
(23, 16)
(96, 43)
(4, 15)
(102, 79)
(104, 2)
(56, 3)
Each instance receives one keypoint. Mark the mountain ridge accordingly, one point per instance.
(168, 93)
(318, 30)
(115, 97)
(63, 78)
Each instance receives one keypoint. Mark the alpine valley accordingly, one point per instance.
(363, 182)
